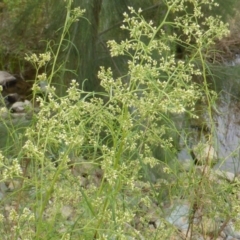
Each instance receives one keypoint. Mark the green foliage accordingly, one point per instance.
(26, 23)
(85, 170)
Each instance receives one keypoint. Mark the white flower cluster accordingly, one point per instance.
(15, 170)
(39, 60)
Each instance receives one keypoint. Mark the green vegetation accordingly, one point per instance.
(95, 164)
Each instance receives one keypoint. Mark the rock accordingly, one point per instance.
(229, 176)
(19, 115)
(230, 231)
(66, 211)
(13, 185)
(21, 107)
(11, 99)
(179, 215)
(204, 153)
(5, 78)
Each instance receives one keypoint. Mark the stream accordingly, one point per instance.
(228, 134)
(226, 117)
